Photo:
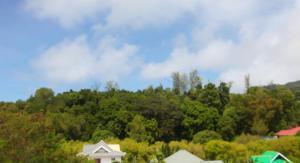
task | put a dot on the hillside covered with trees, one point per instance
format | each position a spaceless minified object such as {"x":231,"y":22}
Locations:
{"x":205,"y":119}
{"x":293,"y":86}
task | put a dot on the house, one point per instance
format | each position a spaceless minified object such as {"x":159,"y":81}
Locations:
{"x":289,"y":132}
{"x":102,"y":152}
{"x":183,"y":156}
{"x":270,"y":157}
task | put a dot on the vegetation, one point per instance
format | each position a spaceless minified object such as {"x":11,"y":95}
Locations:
{"x":206,"y":136}
{"x":150,"y":124}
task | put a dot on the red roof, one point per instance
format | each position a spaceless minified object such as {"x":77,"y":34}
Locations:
{"x":289,"y":132}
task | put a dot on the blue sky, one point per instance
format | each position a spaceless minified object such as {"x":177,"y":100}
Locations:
{"x":65,"y":44}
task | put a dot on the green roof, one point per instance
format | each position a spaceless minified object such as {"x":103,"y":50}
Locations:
{"x":270,"y":157}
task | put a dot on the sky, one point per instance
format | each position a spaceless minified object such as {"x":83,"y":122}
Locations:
{"x":67,"y":44}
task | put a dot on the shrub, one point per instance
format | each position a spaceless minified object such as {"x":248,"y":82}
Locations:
{"x":246,"y":138}
{"x":226,"y":151}
{"x":206,"y":136}
{"x":101,"y":135}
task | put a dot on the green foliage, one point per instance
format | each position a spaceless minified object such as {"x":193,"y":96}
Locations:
{"x":155,"y":153}
{"x":246,"y":138}
{"x":101,"y":135}
{"x":210,"y":96}
{"x":236,"y":152}
{"x":66,"y":124}
{"x":206,"y":136}
{"x":142,"y":129}
{"x":28,"y":138}
{"x":288,"y":146}
{"x":226,"y":151}
{"x":194,"y":148}
{"x":3,"y":157}
{"x":71,"y":146}
{"x":224,"y":92}
{"x":136,"y":152}
{"x":40,"y":100}
{"x":213,"y":150}
{"x":166,"y":113}
{"x":46,"y":122}
{"x":198,"y":117}
{"x":226,"y":127}
{"x":77,"y":115}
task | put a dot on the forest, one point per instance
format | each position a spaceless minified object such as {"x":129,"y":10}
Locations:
{"x":151,"y":124}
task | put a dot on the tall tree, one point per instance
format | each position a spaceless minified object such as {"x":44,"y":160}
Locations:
{"x":224,"y":93}
{"x":180,"y":83}
{"x":247,"y":82}
{"x":176,"y":82}
{"x":210,"y":96}
{"x":111,"y":86}
{"x":40,"y":100}
{"x":226,"y":127}
{"x":195,"y":80}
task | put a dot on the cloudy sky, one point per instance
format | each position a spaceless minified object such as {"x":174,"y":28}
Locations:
{"x":73,"y":44}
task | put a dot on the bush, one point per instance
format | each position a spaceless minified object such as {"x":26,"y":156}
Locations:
{"x":197,"y":149}
{"x":206,"y":136}
{"x":246,"y":138}
{"x":101,"y":135}
{"x":226,"y":151}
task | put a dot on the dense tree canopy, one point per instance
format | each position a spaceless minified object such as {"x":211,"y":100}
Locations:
{"x":188,"y":111}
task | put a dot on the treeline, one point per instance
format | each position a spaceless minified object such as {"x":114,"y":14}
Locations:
{"x":189,"y":111}
{"x":238,"y":151}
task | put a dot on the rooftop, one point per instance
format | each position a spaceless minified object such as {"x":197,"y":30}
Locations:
{"x":289,"y":132}
{"x":270,"y":157}
{"x":183,"y":156}
{"x":101,"y":149}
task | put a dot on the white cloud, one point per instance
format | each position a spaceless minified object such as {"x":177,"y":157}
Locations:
{"x":263,"y":38}
{"x":268,"y":48}
{"x":75,"y":61}
{"x":274,"y":55}
{"x":116,"y":13}
{"x":228,"y":10}
{"x":141,"y":13}
{"x":66,"y":12}
{"x":182,"y":60}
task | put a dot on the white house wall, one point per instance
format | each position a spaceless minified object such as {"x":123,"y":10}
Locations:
{"x":109,"y":160}
{"x":118,"y":159}
{"x":106,"y":160}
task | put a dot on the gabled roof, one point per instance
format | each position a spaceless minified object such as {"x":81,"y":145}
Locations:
{"x":183,"y":156}
{"x":270,"y":157}
{"x":115,"y":147}
{"x":101,"y":149}
{"x":289,"y":132}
